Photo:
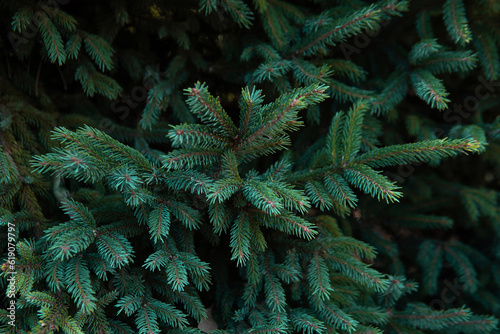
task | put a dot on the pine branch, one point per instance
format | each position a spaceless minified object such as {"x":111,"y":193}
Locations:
{"x":393,"y":93}
{"x":189,"y":180}
{"x":266,"y":51}
{"x":276,"y":25}
{"x":274,"y":292}
{"x":196,"y":135}
{"x":250,"y":102}
{"x":372,"y":315}
{"x":352,"y":71}
{"x":290,"y":224}
{"x":169,"y":314}
{"x":307,"y":74}
{"x":222,"y":190}
{"x":271,"y":70}
{"x":422,"y":221}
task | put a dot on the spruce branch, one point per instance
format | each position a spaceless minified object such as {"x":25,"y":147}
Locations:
{"x":99,"y":50}
{"x":51,"y":38}
{"x":448,"y":62}
{"x":430,"y":89}
{"x":366,"y":18}
{"x":372,"y":182}
{"x":318,"y":195}
{"x":424,"y":49}
{"x":487,"y":54}
{"x":209,"y":110}
{"x":422,"y":316}
{"x":338,"y":188}
{"x":423,"y":151}
{"x":240,"y":239}
{"x":319,"y":278}
{"x":73,"y":46}
{"x":351,"y":131}
{"x":456,"y":21}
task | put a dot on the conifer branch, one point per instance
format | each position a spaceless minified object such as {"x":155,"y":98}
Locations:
{"x":318,"y":195}
{"x":52,"y":38}
{"x":338,"y":188}
{"x":196,"y":135}
{"x":136,"y":213}
{"x":370,"y":181}
{"x":273,"y":290}
{"x":351,"y":131}
{"x":364,"y":18}
{"x":250,"y":102}
{"x":463,"y":267}
{"x":450,"y":62}
{"x":240,"y":239}
{"x":209,"y":110}
{"x":282,"y":114}
{"x":430,"y":89}
{"x":319,"y":278}
{"x":423,"y":25}
{"x":392,"y":94}
{"x":488,"y":55}
{"x":423,"y":151}
{"x":425,"y":318}
{"x":190,"y":157}
{"x":99,"y":50}
{"x":456,"y":21}
{"x":239,"y":11}
{"x":346,"y":93}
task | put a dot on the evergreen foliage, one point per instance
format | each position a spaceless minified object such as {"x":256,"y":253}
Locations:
{"x":238,"y":166}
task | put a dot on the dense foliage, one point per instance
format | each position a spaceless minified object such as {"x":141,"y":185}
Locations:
{"x":266,"y":166}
